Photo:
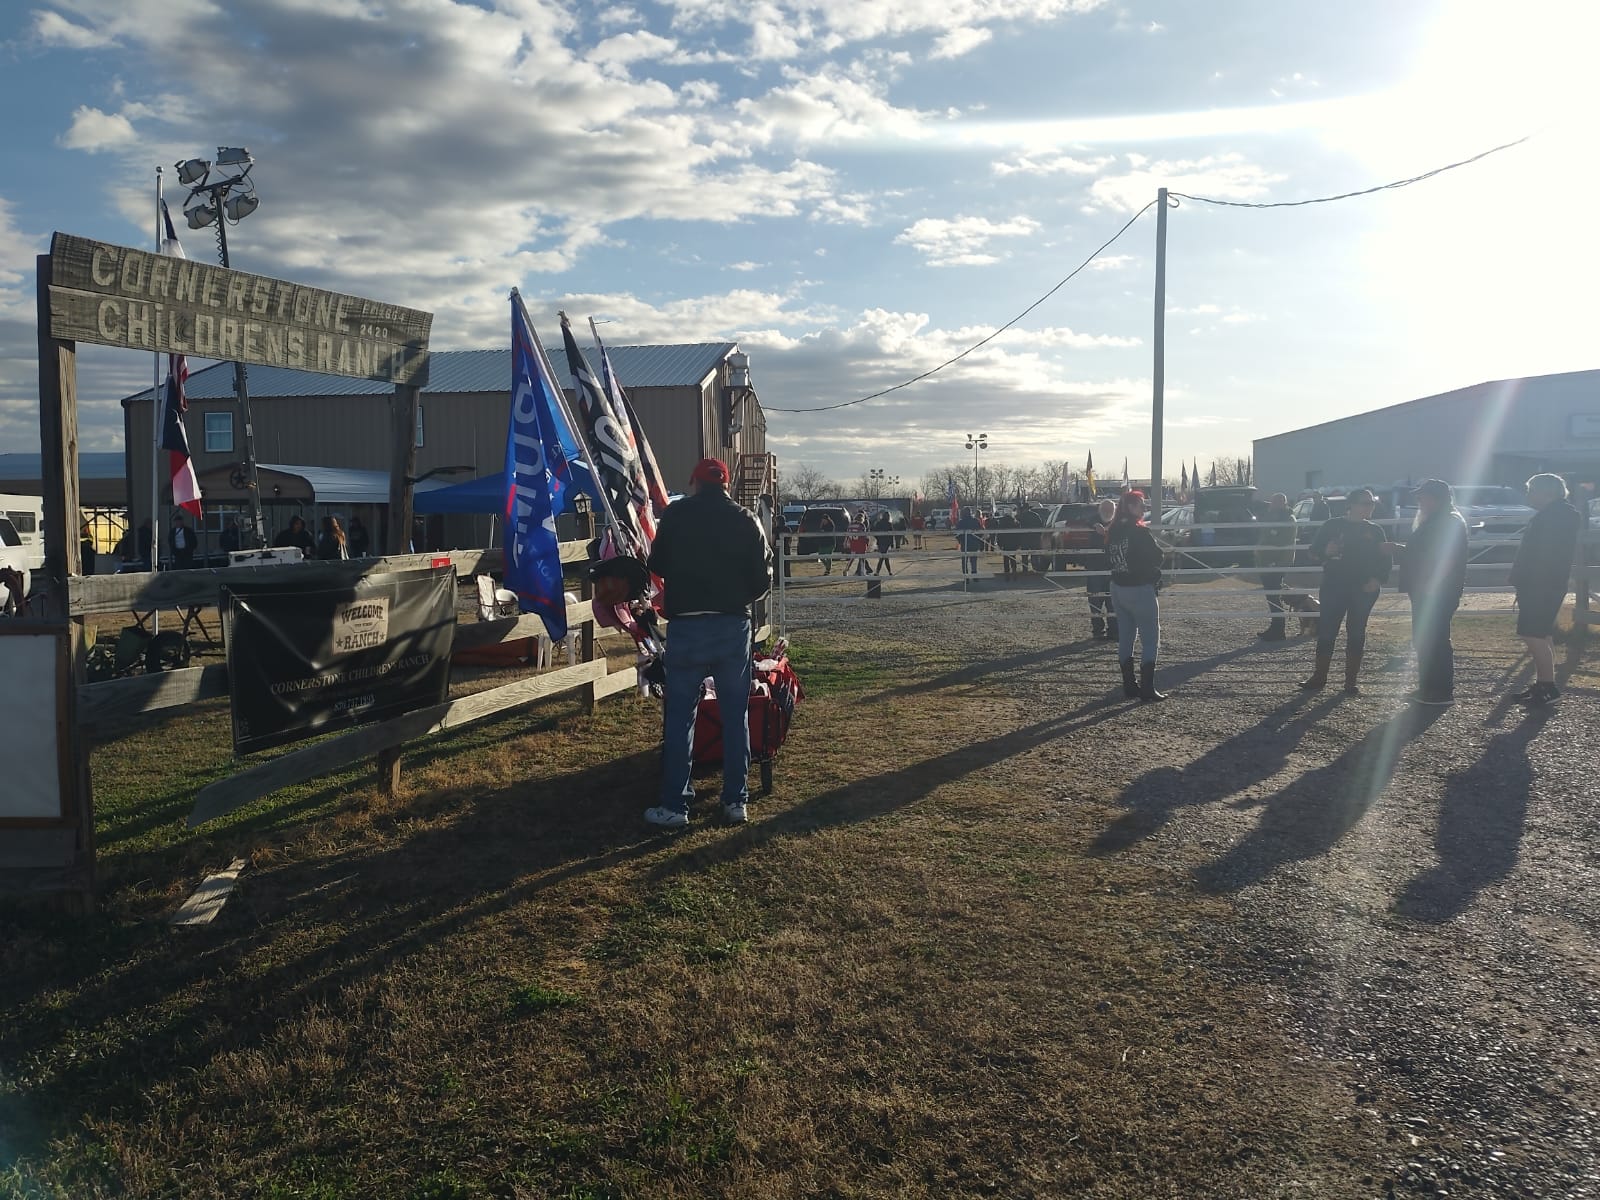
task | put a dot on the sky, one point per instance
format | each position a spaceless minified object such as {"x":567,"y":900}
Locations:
{"x":856,"y":191}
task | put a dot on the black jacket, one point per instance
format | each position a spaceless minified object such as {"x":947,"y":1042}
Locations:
{"x":1361,"y":558}
{"x":1134,"y":554}
{"x":711,"y":555}
{"x":1435,"y":558}
{"x":1544,"y":560}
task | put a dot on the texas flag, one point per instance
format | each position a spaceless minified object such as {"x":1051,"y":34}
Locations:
{"x":173,"y":403}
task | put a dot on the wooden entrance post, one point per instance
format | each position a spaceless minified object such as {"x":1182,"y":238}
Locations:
{"x":57,"y":855}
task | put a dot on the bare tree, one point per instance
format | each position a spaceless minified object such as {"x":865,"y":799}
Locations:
{"x":1230,"y":471}
{"x":802,"y":482}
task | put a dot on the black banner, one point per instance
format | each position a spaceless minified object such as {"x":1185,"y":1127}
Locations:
{"x":308,"y":661}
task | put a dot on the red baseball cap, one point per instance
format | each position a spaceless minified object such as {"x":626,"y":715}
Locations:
{"x":710,"y":470}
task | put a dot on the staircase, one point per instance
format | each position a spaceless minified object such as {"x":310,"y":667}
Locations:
{"x":755,"y":475}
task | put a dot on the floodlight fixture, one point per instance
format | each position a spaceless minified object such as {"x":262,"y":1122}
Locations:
{"x":233,"y":156}
{"x":241,"y":206}
{"x":200,"y":215}
{"x":192,"y":171}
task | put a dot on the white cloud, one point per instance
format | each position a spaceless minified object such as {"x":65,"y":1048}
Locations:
{"x":789,"y":28}
{"x":1224,"y":176}
{"x":746,"y":265}
{"x":1052,"y":163}
{"x":53,"y":29}
{"x":94,"y":131}
{"x":1113,"y":262}
{"x":962,"y":241}
{"x":634,"y":46}
{"x":959,"y":41}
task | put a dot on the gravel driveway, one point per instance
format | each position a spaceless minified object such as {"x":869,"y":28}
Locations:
{"x":1415,"y":889}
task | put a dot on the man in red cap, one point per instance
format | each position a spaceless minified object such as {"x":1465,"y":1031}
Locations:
{"x":712,"y":557}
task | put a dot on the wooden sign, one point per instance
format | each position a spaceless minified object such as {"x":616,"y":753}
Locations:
{"x":134,"y":299}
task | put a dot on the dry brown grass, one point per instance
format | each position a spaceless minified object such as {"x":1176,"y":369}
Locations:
{"x":905,"y":977}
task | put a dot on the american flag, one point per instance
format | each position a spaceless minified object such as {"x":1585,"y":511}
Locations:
{"x":173,"y":403}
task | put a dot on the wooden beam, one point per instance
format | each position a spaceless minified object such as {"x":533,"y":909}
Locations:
{"x":58,"y":462}
{"x":208,"y":899}
{"x":617,"y":681}
{"x":312,"y":762}
{"x":99,"y":703}
{"x":402,"y":465}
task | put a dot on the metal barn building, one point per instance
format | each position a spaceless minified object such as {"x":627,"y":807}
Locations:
{"x":322,"y":441}
{"x":1491,"y":433}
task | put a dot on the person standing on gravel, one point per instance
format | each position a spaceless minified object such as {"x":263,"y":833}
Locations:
{"x":1540,"y":574}
{"x":1102,"y":618}
{"x":1354,"y":570}
{"x":1275,"y":551}
{"x":712,"y":556}
{"x":1135,"y":558}
{"x":1433,"y":572}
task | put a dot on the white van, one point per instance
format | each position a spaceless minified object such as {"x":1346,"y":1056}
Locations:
{"x":26,"y":514}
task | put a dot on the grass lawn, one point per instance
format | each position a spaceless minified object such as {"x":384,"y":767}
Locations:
{"x":907,"y":976}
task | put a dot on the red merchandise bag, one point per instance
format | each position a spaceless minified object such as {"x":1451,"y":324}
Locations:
{"x":774,"y":694}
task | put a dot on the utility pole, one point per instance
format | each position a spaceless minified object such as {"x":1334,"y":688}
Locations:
{"x":241,"y":391}
{"x":1158,"y":372}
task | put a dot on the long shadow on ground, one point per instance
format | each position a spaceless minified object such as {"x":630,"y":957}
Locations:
{"x":1481,"y":822}
{"x":897,"y":788}
{"x":165,"y":1002}
{"x":1308,"y":817}
{"x":1249,"y":757}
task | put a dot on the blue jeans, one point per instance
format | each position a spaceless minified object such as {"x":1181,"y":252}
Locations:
{"x":1351,"y":605}
{"x":718,"y":646}
{"x":1139,"y":612}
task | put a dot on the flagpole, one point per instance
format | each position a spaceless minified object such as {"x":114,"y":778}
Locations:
{"x":155,"y":433}
{"x":577,"y":430}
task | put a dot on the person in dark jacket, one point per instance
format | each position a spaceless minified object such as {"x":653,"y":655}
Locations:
{"x":1275,"y":542}
{"x":182,"y":541}
{"x":712,"y":557}
{"x":1433,"y":572}
{"x":230,"y":539}
{"x":297,"y":535}
{"x":359,"y":539}
{"x":883,"y":528}
{"x":1102,"y":617}
{"x":970,"y":535}
{"x":332,"y":543}
{"x":1135,"y":558}
{"x":1355,"y":567}
{"x":1540,"y":574}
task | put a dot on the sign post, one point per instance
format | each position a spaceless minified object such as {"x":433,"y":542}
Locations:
{"x":118,"y":296}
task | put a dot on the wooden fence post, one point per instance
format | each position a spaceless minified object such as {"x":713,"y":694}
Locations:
{"x":587,"y":641}
{"x":402,"y":470}
{"x":63,"y":558}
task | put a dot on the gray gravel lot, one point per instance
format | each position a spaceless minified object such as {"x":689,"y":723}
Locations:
{"x":1415,"y":889}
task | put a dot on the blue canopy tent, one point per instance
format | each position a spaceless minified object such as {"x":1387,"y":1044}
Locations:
{"x":484,"y":495}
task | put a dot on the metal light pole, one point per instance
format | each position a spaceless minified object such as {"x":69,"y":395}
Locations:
{"x":197,"y":173}
{"x":975,"y":443}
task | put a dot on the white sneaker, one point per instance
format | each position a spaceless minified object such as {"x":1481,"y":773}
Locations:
{"x":735,"y":814}
{"x":666,"y":818}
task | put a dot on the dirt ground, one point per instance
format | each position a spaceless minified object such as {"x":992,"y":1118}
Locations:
{"x":997,"y":932}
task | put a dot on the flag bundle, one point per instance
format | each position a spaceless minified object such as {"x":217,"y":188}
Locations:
{"x":649,"y":485}
{"x":173,"y":403}
{"x":955,"y":503}
{"x":615,"y":460}
{"x":1183,"y":480}
{"x":1126,"y":483}
{"x":1088,"y":474}
{"x":539,"y":480}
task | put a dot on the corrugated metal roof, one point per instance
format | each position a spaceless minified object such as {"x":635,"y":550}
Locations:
{"x":466,"y":371}
{"x":94,"y":465}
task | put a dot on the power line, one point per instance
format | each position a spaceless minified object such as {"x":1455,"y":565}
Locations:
{"x":1382,"y":187}
{"x":978,"y":345}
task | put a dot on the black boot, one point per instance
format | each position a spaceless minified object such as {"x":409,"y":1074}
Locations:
{"x":1352,"y":674}
{"x":1319,"y":677}
{"x":1130,"y":688}
{"x":1147,"y":684}
{"x":1111,"y":631}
